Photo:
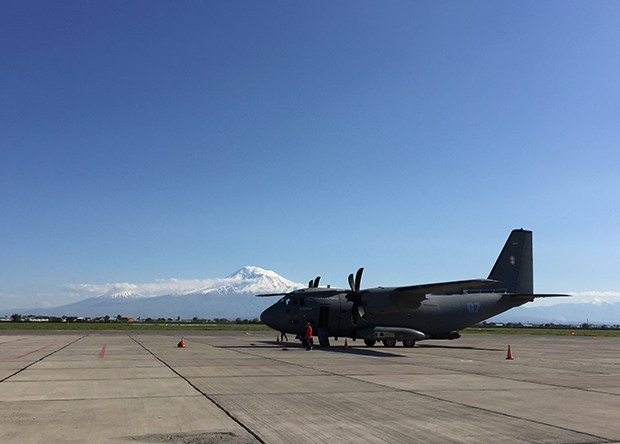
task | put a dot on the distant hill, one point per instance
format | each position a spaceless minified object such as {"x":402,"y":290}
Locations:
{"x":230,"y":297}
{"x":599,"y":313}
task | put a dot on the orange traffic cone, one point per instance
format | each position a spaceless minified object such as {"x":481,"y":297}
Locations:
{"x":182,"y":343}
{"x":277,"y":339}
{"x":346,"y":346}
{"x":509,"y":356}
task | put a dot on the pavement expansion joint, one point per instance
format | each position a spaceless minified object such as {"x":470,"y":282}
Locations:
{"x":219,"y":389}
{"x":40,"y":359}
{"x":218,"y":405}
{"x":194,"y":438}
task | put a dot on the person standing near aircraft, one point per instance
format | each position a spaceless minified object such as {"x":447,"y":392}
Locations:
{"x":308,"y":336}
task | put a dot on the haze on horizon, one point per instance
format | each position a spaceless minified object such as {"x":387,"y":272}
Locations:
{"x":155,"y":143}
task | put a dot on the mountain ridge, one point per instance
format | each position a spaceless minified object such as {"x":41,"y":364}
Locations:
{"x":600,"y":313}
{"x":230,"y":297}
{"x":235,"y":296}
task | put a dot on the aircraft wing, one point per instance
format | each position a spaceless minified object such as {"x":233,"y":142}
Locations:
{"x":272,"y":294}
{"x":443,"y":287}
{"x":395,"y":299}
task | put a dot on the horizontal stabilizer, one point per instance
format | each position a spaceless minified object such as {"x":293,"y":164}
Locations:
{"x":532,"y":296}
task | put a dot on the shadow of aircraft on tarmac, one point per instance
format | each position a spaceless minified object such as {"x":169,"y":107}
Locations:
{"x":359,"y":351}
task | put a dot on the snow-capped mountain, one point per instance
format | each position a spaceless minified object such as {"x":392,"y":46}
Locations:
{"x":235,"y":297}
{"x":231,"y":297}
{"x":127,"y":294}
{"x":252,"y":280}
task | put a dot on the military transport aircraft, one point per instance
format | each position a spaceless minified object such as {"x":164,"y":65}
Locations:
{"x":412,"y":313}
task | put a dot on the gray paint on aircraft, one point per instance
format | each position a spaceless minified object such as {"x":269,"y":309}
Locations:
{"x":411,"y":313}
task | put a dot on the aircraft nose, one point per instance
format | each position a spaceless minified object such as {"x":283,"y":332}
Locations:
{"x":269,"y":318}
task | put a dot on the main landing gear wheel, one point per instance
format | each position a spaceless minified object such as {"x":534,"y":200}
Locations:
{"x":408,"y":343}
{"x":389,"y":342}
{"x":369,"y":342}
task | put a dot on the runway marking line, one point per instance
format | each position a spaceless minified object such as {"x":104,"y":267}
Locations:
{"x":102,"y":351}
{"x":34,"y":351}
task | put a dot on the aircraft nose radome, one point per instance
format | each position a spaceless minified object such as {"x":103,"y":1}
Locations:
{"x":268,"y":318}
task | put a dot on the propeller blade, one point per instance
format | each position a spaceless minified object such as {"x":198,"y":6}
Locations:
{"x":362,"y":313}
{"x":354,"y":296}
{"x":357,"y":311}
{"x":358,"y":279}
{"x":314,"y":283}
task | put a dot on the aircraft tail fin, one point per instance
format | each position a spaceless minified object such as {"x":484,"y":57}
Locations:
{"x":514,"y":266}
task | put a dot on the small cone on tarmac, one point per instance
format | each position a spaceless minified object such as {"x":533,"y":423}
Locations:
{"x":509,"y":354}
{"x":346,"y":346}
{"x":182,"y":343}
{"x":277,"y":339}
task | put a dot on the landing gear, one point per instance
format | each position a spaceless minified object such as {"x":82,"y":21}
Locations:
{"x":369,"y":342}
{"x":408,"y":343}
{"x":390,"y":342}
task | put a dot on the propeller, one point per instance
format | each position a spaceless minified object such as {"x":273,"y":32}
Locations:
{"x":312,"y":284}
{"x":315,"y":283}
{"x":356,"y":297}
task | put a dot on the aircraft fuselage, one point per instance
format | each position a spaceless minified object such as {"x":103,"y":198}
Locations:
{"x":410,"y":313}
{"x":436,"y":316}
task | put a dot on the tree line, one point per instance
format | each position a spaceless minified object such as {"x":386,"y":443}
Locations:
{"x":195,"y":320}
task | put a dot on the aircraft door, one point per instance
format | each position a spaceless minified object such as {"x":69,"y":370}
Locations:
{"x":329,"y":320}
{"x":323,"y":325}
{"x":323,"y":317}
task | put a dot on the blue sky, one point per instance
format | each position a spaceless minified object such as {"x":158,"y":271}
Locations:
{"x":154,"y":140}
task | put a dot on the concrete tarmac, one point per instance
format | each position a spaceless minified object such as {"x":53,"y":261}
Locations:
{"x":242,"y":388}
